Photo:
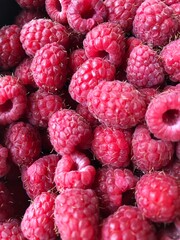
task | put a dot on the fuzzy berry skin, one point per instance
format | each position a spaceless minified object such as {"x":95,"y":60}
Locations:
{"x":51,"y":72}
{"x":11,"y":51}
{"x":13,"y":100}
{"x":127,"y":223}
{"x":158,"y":197}
{"x":122,"y":11}
{"x":110,"y":146}
{"x":76,"y":58}
{"x":11,"y":230}
{"x":144,"y":67}
{"x":109,"y":186}
{"x":150,"y":154}
{"x":69,"y":131}
{"x":4,"y":165}
{"x":171,"y":60}
{"x":38,"y":222}
{"x":23,"y":143}
{"x":80,"y":208}
{"x":31,"y":4}
{"x":107,"y":41}
{"x":41,"y":105}
{"x":39,"y":176}
{"x":38,"y":32}
{"x":163,"y":116}
{"x":89,"y":74}
{"x":154,"y":23}
{"x":116,"y":104}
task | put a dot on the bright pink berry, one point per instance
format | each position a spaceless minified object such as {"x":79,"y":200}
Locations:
{"x":76,"y":58}
{"x":176,"y":10}
{"x":157,"y":196}
{"x":4,"y":164}
{"x":107,"y":41}
{"x":11,"y":230}
{"x":31,"y":4}
{"x":80,"y":208}
{"x":170,"y":2}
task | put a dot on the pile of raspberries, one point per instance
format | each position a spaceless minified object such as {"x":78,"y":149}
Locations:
{"x":90,"y":120}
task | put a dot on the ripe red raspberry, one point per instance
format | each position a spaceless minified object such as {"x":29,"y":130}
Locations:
{"x":150,"y":154}
{"x":144,"y":67}
{"x":4,"y":164}
{"x":107,"y":41}
{"x":13,"y":101}
{"x":158,"y":197}
{"x":76,"y":58}
{"x":89,"y":74}
{"x":170,"y":2}
{"x":171,"y":60}
{"x":154,"y":23}
{"x":148,"y":94}
{"x":80,"y":208}
{"x":116,"y":104}
{"x":51,"y":72}
{"x":163,"y":116}
{"x":41,"y":105}
{"x":39,"y":176}
{"x":127,"y":223}
{"x":11,"y":51}
{"x":109,"y":186}
{"x":69,"y":131}
{"x":11,"y":230}
{"x":110,"y":146}
{"x":31,"y":4}
{"x":178,"y":150}
{"x":38,"y":32}
{"x":38,"y":221}
{"x":74,"y":171}
{"x":122,"y":11}
{"x":176,"y":10}
{"x":83,"y":15}
{"x":23,"y":143}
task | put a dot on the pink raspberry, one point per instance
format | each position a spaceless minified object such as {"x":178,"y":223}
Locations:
{"x":69,"y":131}
{"x":11,"y":230}
{"x":170,"y":2}
{"x":127,"y":223}
{"x":107,"y":41}
{"x":154,"y":23}
{"x":41,"y":105}
{"x":38,"y":32}
{"x":74,"y":171}
{"x":176,"y":10}
{"x":39,"y":176}
{"x":150,"y":154}
{"x":144,"y":67}
{"x":80,"y":208}
{"x":4,"y":164}
{"x":31,"y":4}
{"x":163,"y":116}
{"x":23,"y":143}
{"x":148,"y":94}
{"x":178,"y":150}
{"x":83,"y":15}
{"x":51,"y":72}
{"x":13,"y":101}
{"x":122,"y":11}
{"x":89,"y":74}
{"x":38,"y":221}
{"x":76,"y":58}
{"x":110,"y":146}
{"x":171,"y":60}
{"x":157,"y":196}
{"x":11,"y":51}
{"x":116,"y":104}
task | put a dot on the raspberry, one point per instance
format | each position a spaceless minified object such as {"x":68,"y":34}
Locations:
{"x":122,"y":11}
{"x":170,"y":2}
{"x":38,"y":222}
{"x":39,"y":177}
{"x":38,"y":32}
{"x":11,"y":51}
{"x":83,"y":15}
{"x":31,"y":4}
{"x":51,"y":72}
{"x":80,"y":208}
{"x":110,"y":146}
{"x":23,"y":143}
{"x":171,"y":60}
{"x":107,"y":41}
{"x":154,"y":23}
{"x":13,"y":100}
{"x":74,"y":171}
{"x":4,"y":165}
{"x":178,"y":150}
{"x":163,"y":116}
{"x":76,"y":59}
{"x":157,"y":196}
{"x":150,"y":153}
{"x":11,"y":230}
{"x":69,"y":131}
{"x":144,"y":67}
{"x":41,"y":105}
{"x":116,"y":104}
{"x":127,"y":223}
{"x":176,"y":10}
{"x":89,"y":74}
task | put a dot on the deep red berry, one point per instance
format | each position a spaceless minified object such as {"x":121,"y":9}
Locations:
{"x":31,"y":4}
{"x":11,"y":230}
{"x":4,"y":164}
{"x":76,"y":58}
